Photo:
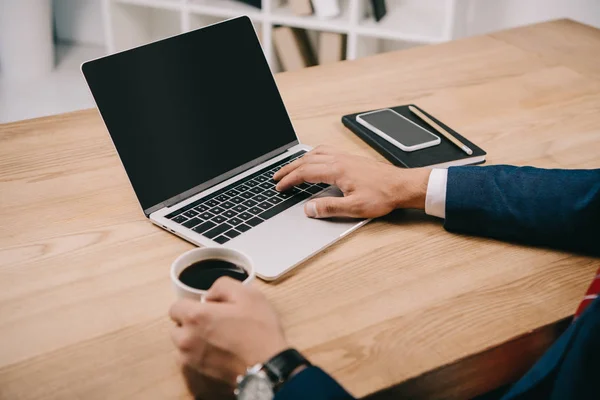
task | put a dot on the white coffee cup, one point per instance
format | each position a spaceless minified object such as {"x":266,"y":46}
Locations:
{"x":207,"y":253}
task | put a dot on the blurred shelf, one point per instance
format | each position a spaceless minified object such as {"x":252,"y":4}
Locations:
{"x":285,"y":16}
{"x":224,"y":8}
{"x":409,"y":23}
{"x":164,"y":4}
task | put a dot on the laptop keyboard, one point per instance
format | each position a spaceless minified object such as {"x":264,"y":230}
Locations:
{"x":236,"y":209}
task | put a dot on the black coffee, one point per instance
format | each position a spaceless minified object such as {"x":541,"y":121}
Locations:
{"x":202,"y":274}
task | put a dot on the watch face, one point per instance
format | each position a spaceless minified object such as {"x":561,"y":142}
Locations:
{"x":255,"y":387}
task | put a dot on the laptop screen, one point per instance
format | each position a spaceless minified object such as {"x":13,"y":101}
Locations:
{"x":184,"y":110}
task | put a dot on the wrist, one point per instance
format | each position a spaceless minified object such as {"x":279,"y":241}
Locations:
{"x":411,"y":188}
{"x":297,"y":371}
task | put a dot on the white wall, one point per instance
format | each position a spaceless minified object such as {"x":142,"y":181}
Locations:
{"x":492,"y":15}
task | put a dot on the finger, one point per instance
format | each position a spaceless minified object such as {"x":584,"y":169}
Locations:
{"x":187,"y":312}
{"x":327,"y":207}
{"x":185,"y":341}
{"x":182,"y":310}
{"x":307,"y":159}
{"x":325,"y":149}
{"x":313,"y":173}
{"x":225,"y":290}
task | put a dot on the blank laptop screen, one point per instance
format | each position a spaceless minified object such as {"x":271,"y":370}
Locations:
{"x":185,"y":110}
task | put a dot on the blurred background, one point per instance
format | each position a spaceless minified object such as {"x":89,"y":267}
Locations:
{"x":43,"y":42}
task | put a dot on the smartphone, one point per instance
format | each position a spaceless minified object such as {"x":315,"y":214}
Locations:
{"x":398,"y":130}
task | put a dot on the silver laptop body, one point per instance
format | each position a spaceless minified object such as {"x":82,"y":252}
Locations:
{"x":148,"y":142}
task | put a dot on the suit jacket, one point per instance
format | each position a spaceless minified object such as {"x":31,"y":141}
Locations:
{"x":553,"y":208}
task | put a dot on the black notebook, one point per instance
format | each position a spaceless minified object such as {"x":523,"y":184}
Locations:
{"x":443,"y":155}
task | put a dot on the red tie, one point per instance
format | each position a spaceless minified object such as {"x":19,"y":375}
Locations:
{"x":590,"y":296}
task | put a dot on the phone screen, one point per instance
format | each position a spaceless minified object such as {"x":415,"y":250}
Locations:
{"x":398,"y":127}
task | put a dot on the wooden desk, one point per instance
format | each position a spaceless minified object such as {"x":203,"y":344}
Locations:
{"x":401,"y":304}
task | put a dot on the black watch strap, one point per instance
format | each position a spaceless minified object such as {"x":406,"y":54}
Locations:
{"x":280,"y":367}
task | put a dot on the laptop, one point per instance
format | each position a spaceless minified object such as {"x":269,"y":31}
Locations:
{"x":200,"y":127}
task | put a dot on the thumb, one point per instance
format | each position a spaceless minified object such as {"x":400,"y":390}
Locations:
{"x":225,"y":290}
{"x":327,"y":207}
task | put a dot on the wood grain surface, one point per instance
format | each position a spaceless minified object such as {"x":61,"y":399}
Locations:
{"x":399,"y":308}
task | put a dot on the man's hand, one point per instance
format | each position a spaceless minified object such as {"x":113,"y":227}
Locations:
{"x":234,"y":329}
{"x":371,"y":189}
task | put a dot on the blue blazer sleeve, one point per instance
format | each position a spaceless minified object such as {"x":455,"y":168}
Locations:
{"x":312,"y":383}
{"x":549,"y":207}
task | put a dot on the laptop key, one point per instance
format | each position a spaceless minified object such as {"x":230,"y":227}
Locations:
{"x":227,"y":204}
{"x":255,"y":210}
{"x":269,"y":193}
{"x":243,"y":228}
{"x":206,"y":215}
{"x":288,"y":193}
{"x":242,"y":188}
{"x":303,"y":186}
{"x":190,"y":213}
{"x":265,"y":205}
{"x":237,"y":200}
{"x":204,"y":227}
{"x":261,"y":178}
{"x":275,"y":200}
{"x":184,"y":209}
{"x":221,"y":239}
{"x":217,"y":210}
{"x":201,"y":208}
{"x":250,"y":203}
{"x":179,"y":219}
{"x":314,"y":189}
{"x":245,"y":215}
{"x":254,"y":221}
{"x":211,"y":203}
{"x":235,"y":221}
{"x":247,"y":195}
{"x":219,"y":219}
{"x":257,"y":190}
{"x":251,"y":184}
{"x":229,"y":214}
{"x":232,"y":233}
{"x":260,"y":198}
{"x":239,"y":208}
{"x":222,"y":198}
{"x":266,"y":185}
{"x":232,"y":193}
{"x":190,"y":223}
{"x":217,"y":231}
{"x":323,"y":185}
{"x":284,"y":205}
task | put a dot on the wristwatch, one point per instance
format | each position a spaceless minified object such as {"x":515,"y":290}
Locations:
{"x":262,"y":381}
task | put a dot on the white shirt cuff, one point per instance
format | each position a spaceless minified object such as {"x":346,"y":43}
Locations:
{"x":435,"y":201}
